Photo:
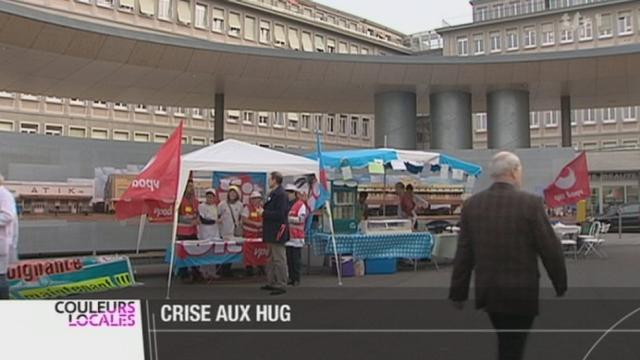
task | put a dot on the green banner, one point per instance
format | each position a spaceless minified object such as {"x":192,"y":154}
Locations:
{"x":54,"y":278}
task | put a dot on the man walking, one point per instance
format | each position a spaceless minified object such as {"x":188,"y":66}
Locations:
{"x":8,"y":236}
{"x":503,"y":232}
{"x":275,"y":232}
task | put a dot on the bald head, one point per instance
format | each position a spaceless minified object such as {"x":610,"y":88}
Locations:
{"x":506,"y":167}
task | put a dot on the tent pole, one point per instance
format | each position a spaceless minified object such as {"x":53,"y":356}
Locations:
{"x":173,"y":247}
{"x":143,"y":220}
{"x":335,"y":247}
{"x":384,"y":192}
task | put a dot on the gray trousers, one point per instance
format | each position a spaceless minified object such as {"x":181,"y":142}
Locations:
{"x":277,"y":266}
{"x":4,"y":287}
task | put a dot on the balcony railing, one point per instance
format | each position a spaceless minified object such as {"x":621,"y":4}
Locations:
{"x":494,"y":11}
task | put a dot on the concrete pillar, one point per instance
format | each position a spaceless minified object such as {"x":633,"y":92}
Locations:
{"x":451,"y":126}
{"x":396,"y":119}
{"x":508,"y":119}
{"x":565,"y":121}
{"x":218,"y":125}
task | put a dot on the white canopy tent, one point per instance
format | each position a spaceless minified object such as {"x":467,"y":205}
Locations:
{"x":235,"y":156}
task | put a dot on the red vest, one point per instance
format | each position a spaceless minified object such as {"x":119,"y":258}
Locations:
{"x":296,"y":231}
{"x":187,"y":208}
{"x":252,"y":225}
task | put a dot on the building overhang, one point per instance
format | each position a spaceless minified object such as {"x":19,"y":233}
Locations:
{"x":54,"y":53}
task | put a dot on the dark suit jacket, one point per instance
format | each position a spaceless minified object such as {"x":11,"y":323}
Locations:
{"x":276,"y":209}
{"x":503,"y":231}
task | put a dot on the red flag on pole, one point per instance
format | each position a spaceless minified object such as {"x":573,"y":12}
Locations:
{"x":153,"y":191}
{"x":571,"y":185}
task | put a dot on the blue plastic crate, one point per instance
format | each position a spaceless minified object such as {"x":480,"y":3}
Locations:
{"x":380,"y":266}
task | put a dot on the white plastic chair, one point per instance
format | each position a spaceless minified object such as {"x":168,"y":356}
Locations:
{"x":591,"y":243}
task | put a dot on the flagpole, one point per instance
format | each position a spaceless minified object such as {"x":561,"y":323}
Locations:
{"x":143,"y":220}
{"x":333,"y":241}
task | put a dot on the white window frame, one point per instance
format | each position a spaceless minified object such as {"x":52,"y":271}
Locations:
{"x":11,"y":123}
{"x":7,"y":95}
{"x":53,"y":100}
{"x":196,"y":113}
{"x":608,"y":112}
{"x":250,"y":30}
{"x":29,"y":97}
{"x":263,"y":116}
{"x":590,"y":145}
{"x":633,"y":142}
{"x":629,"y":114}
{"x":141,"y":108}
{"x":305,"y":122}
{"x":478,"y":44}
{"x":343,"y":125}
{"x":115,"y":131}
{"x":279,"y":120}
{"x":481,"y":122}
{"x":604,"y":32}
{"x":567,"y":35}
{"x":462,"y":46}
{"x":77,"y":102}
{"x":29,"y":131}
{"x":164,"y":9}
{"x":101,"y":130}
{"x":317,"y":122}
{"x":235,"y":31}
{"x":548,"y":36}
{"x":534,"y":120}
{"x":198,"y":140}
{"x":142,"y":133}
{"x":200,"y":17}
{"x":331,"y":124}
{"x":73,"y":128}
{"x":550,"y":119}
{"x":160,"y":138}
{"x":264,"y":35}
{"x":233,"y":116}
{"x":589,"y":117}
{"x":628,"y":23}
{"x":529,"y":37}
{"x":248,"y":114}
{"x":609,"y":144}
{"x":585,"y":29}
{"x":218,"y":23}
{"x":179,"y":111}
{"x":120,"y":106}
{"x":496,"y":46}
{"x":353,"y":130}
{"x":99,"y":104}
{"x":161,"y":110}
{"x":105,"y":3}
{"x":513,"y":43}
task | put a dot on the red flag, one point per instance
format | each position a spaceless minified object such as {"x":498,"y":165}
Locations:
{"x":153,"y":191}
{"x":571,"y":185}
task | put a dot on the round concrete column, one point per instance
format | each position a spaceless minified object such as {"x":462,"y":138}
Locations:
{"x":508,"y":119}
{"x":396,"y":119}
{"x":450,"y":118}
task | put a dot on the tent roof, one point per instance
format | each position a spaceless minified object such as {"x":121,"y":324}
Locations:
{"x":362,"y":157}
{"x":238,"y":156}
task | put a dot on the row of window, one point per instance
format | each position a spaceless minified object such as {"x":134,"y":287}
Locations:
{"x":497,"y":10}
{"x":353,"y":126}
{"x":95,"y":133}
{"x":551,"y":119}
{"x":582,"y":28}
{"x":249,"y":27}
{"x":331,"y":19}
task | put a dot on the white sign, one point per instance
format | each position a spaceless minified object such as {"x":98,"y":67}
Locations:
{"x":72,"y":329}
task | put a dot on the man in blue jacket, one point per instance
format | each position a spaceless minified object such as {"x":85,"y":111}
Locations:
{"x":275,"y":233}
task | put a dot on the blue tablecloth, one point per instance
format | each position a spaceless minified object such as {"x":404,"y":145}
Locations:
{"x":408,"y":246}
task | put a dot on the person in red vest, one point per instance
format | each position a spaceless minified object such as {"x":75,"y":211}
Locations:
{"x":297,"y":218}
{"x":188,"y":227}
{"x":252,"y":224}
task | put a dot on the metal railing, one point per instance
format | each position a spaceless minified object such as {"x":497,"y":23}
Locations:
{"x":493,"y":11}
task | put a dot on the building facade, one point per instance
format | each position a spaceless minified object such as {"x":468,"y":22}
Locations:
{"x":534,"y":26}
{"x":287,"y":24}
